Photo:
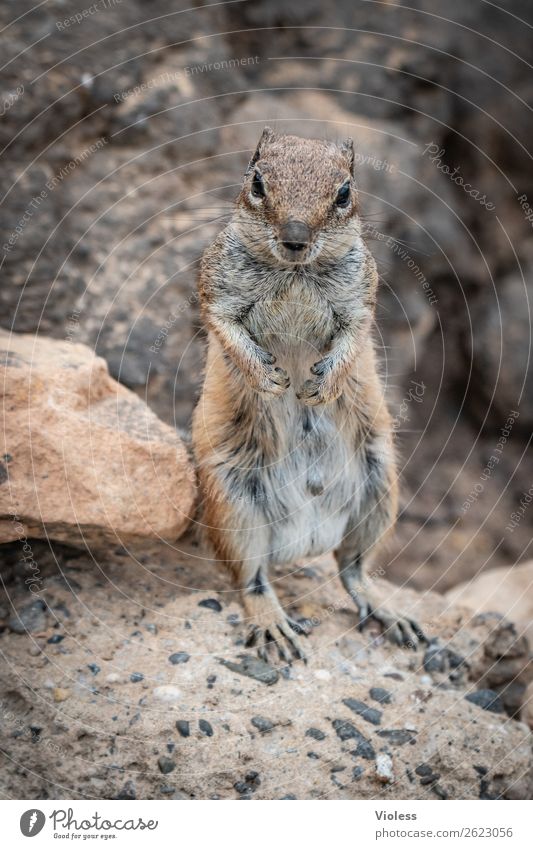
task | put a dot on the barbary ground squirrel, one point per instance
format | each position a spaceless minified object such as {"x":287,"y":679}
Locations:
{"x":291,"y":435}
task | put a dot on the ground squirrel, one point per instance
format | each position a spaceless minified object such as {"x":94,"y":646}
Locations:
{"x":291,"y":435}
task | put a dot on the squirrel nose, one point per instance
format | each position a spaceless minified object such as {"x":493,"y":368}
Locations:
{"x":295,"y":235}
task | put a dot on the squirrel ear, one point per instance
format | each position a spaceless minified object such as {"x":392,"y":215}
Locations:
{"x":266,"y":135}
{"x":347,"y":149}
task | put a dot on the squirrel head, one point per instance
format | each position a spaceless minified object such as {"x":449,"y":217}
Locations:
{"x":298,"y":202}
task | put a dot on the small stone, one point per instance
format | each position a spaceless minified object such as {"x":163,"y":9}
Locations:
{"x":397,"y":736}
{"x":313,"y":756}
{"x":166,"y":765}
{"x":95,"y":669}
{"x":439,"y":791}
{"x":179,"y":657}
{"x":183,"y":727}
{"x":210,"y":681}
{"x":370,"y":714}
{"x":357,"y":772}
{"x":424,"y":769}
{"x":135,"y":677}
{"x":346,"y":731}
{"x":435,"y":659}
{"x":35,"y":651}
{"x":56,"y":638}
{"x":381,"y":695}
{"x":429,"y":779}
{"x":127,"y":792}
{"x":487,"y":700}
{"x":384,"y":768}
{"x":205,"y":728}
{"x":252,"y":777}
{"x":253,"y":667}
{"x":29,"y":619}
{"x":112,"y":678}
{"x":262,"y":724}
{"x":211,"y":604}
{"x":315,"y":733}
{"x":167,"y":693}
{"x":61,"y":694}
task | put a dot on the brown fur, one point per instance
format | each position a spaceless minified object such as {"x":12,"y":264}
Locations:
{"x":291,"y":435}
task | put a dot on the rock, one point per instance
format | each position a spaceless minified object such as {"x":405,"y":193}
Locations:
{"x":372,"y":715}
{"x":487,"y":700}
{"x":95,"y":669}
{"x":253,"y":667}
{"x":315,"y":733}
{"x":55,"y":639}
{"x":262,"y":724}
{"x":211,"y":604}
{"x":526,"y":713}
{"x":179,"y":657}
{"x":506,"y":590}
{"x":397,"y":736}
{"x":501,"y":361}
{"x":30,"y":618}
{"x":381,"y":695}
{"x":346,"y":731}
{"x":167,"y":693}
{"x":205,"y":728}
{"x":136,"y":677}
{"x":61,"y":694}
{"x":384,"y":770}
{"x":102,"y":466}
{"x":127,"y":792}
{"x":166,"y":765}
{"x":454,"y":735}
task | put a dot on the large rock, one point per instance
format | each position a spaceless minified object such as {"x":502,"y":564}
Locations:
{"x":507,"y":590}
{"x":84,"y":459}
{"x":165,"y":706}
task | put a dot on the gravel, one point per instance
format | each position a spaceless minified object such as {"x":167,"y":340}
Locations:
{"x":370,"y":714}
{"x":179,"y":657}
{"x":487,"y":700}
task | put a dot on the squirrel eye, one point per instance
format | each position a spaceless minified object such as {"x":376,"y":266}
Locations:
{"x":343,"y":196}
{"x":258,"y":186}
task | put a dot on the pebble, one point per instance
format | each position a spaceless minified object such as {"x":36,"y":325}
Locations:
{"x":211,"y":604}
{"x":397,"y":736}
{"x":35,"y":651}
{"x":179,"y":657}
{"x":166,"y":765}
{"x":112,"y":678}
{"x":167,"y":693}
{"x":346,"y":731}
{"x":183,"y":728}
{"x":95,"y":669}
{"x":262,"y":724}
{"x":315,"y":733}
{"x":61,"y":694}
{"x":127,"y":792}
{"x":487,"y":700}
{"x":384,"y":768}
{"x":357,"y":772}
{"x":424,"y":769}
{"x":322,"y":674}
{"x":381,"y":695}
{"x":56,"y":638}
{"x":370,"y":714}
{"x":210,"y":681}
{"x":205,"y":727}
{"x":253,"y":667}
{"x":29,"y":618}
{"x":135,"y":677}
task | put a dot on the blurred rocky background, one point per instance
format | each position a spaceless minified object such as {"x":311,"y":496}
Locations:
{"x":126,"y":127}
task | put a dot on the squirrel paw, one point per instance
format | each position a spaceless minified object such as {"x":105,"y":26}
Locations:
{"x":279,"y":636}
{"x":397,"y":627}
{"x":318,"y":391}
{"x":274,"y":380}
